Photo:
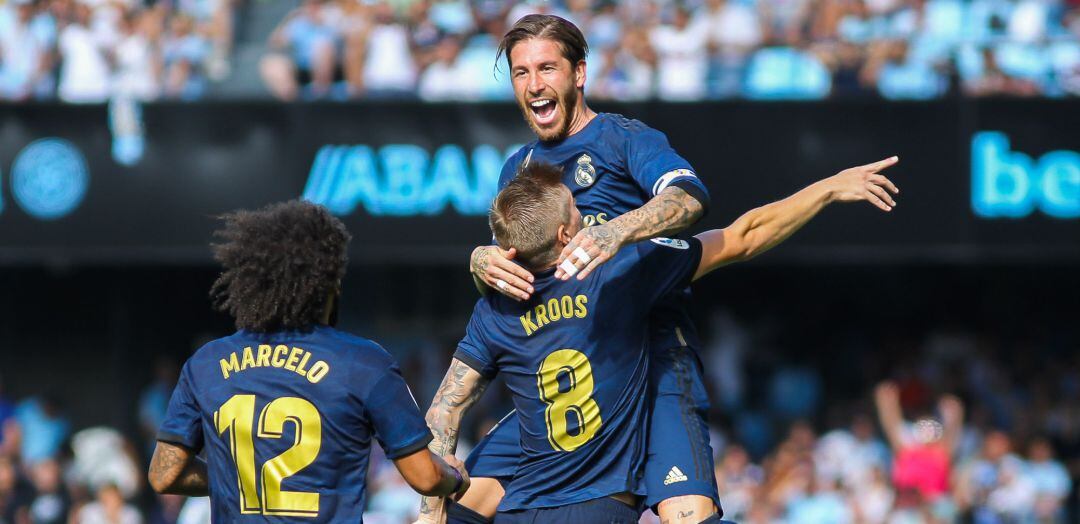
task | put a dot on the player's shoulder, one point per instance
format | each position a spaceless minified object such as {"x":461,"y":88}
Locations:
{"x":626,"y":126}
{"x":357,"y":345}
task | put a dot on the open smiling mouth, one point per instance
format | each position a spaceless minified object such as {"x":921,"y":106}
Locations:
{"x":543,"y":110}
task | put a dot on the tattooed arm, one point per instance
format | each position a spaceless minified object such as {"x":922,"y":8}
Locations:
{"x":176,"y":470}
{"x":460,"y":389}
{"x":672,"y":211}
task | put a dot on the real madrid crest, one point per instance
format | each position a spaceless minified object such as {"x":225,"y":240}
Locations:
{"x":585,"y":174}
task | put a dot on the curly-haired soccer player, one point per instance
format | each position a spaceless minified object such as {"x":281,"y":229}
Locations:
{"x":286,"y":407}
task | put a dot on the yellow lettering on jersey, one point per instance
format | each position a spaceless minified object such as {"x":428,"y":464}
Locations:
{"x":294,"y":357}
{"x":580,"y":301}
{"x":318,"y":371}
{"x":230,"y":366}
{"x":528,"y":324}
{"x":556,"y":309}
{"x":263,"y":360}
{"x":566,"y":306}
{"x":300,"y":367}
{"x":279,"y":356}
{"x":249,"y":359}
{"x":541,"y":315}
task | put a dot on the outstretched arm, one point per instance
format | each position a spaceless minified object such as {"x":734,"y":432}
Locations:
{"x":887,"y":400}
{"x":762,"y":228}
{"x":670,"y":212}
{"x":460,"y":389}
{"x":176,"y":470}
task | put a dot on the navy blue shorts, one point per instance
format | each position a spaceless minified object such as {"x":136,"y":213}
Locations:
{"x":604,"y":510}
{"x":679,"y":460}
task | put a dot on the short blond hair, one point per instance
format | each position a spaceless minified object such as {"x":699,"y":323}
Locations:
{"x":527,"y":213}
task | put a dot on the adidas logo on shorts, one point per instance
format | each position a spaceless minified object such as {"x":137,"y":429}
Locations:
{"x":675,"y":475}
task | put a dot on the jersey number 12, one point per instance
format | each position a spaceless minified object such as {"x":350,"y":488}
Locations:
{"x":237,"y":416}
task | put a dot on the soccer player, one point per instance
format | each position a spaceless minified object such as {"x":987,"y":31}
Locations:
{"x":630,"y":185}
{"x":286,"y":407}
{"x":575,"y":354}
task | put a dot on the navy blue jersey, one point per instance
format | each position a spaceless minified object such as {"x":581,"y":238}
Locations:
{"x":287,"y":420}
{"x":575,"y":359}
{"x":612,"y":166}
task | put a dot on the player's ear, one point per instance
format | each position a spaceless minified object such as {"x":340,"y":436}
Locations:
{"x":564,"y":235}
{"x":579,"y":74}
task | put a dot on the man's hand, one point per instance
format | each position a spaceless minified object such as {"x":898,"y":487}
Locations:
{"x":864,"y":183}
{"x":493,"y":266}
{"x":453,"y":462}
{"x":597,"y":243}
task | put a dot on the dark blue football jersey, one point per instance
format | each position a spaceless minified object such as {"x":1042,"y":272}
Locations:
{"x":287,"y":420}
{"x":614,"y":165}
{"x":575,"y":359}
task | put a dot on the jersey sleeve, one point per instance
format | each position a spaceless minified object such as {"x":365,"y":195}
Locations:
{"x":474,"y":349}
{"x":393,"y":411}
{"x":655,"y":166}
{"x":666,"y":264}
{"x":183,"y":418}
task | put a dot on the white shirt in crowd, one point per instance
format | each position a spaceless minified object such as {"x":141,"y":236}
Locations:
{"x":389,"y":63}
{"x":94,"y":513}
{"x":84,"y":75}
{"x":734,"y":24}
{"x":135,"y":69}
{"x":682,"y":60}
{"x":20,"y":57}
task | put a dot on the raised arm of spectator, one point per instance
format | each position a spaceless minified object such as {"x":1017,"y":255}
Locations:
{"x":762,"y":228}
{"x":460,"y":389}
{"x":952,"y":418}
{"x":887,"y":400}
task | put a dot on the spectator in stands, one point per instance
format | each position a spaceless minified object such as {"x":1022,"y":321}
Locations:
{"x":735,"y":29}
{"x":23,"y":54}
{"x":137,"y":60}
{"x":389,"y":69}
{"x":1050,"y":479}
{"x":682,"y":56}
{"x":9,"y":429}
{"x":626,"y":72}
{"x":108,"y":507}
{"x":84,"y":71}
{"x":923,"y":452}
{"x":183,"y":53}
{"x":13,"y":499}
{"x":51,"y":502}
{"x":44,"y":429}
{"x":445,"y":79}
{"x":154,"y":401}
{"x":304,"y":54}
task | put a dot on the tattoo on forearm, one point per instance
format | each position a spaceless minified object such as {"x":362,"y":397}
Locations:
{"x":672,"y":211}
{"x":460,"y":389}
{"x":180,"y":473}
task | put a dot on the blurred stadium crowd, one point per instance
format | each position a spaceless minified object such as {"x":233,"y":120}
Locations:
{"x":794,"y":441}
{"x":641,"y":49}
{"x":91,"y":50}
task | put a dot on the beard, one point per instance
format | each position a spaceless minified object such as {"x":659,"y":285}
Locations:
{"x":565,"y":102}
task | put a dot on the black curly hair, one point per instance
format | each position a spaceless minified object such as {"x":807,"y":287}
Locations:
{"x":280,"y":264}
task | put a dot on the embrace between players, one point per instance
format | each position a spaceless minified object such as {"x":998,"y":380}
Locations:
{"x":588,"y":326}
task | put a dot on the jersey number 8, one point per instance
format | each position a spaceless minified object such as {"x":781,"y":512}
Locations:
{"x":572,"y":402}
{"x":237,"y":417}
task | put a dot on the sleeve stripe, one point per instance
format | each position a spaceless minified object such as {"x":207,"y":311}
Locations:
{"x":474,"y":363}
{"x":663,"y":182}
{"x":173,"y":438}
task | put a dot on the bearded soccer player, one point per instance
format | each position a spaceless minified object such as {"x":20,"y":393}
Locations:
{"x":629,"y":185}
{"x":287,"y":406}
{"x":575,"y":355}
